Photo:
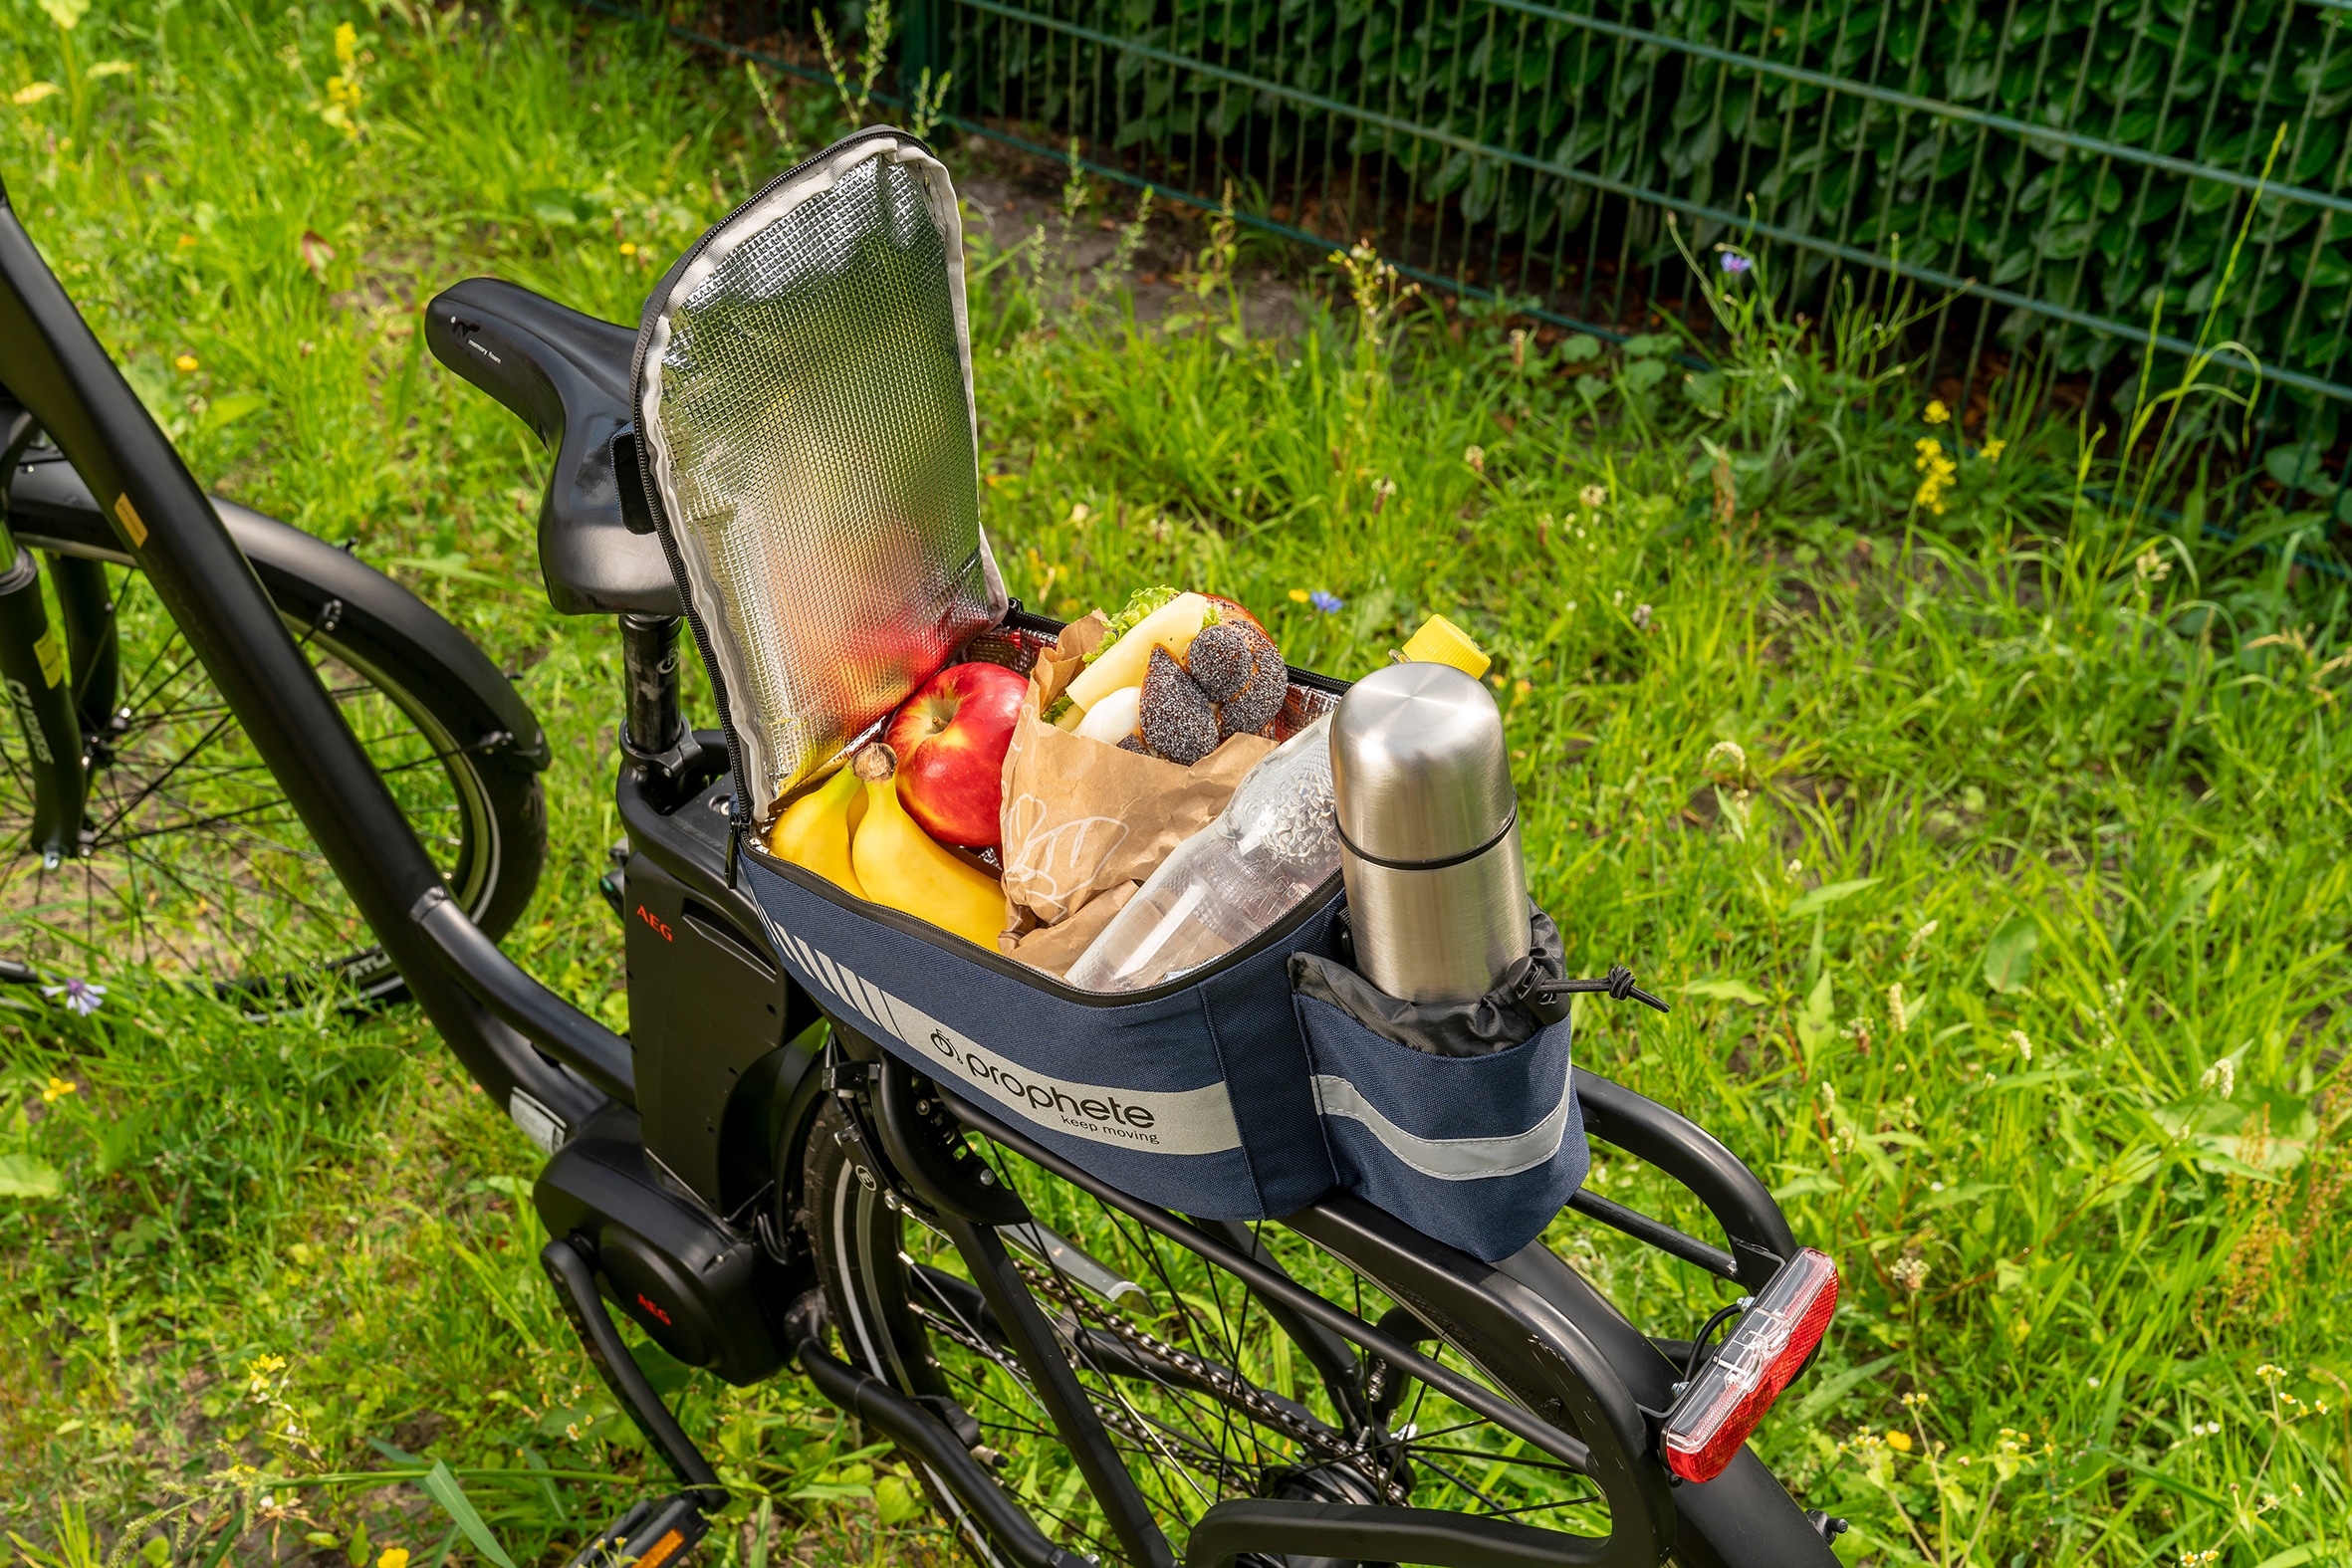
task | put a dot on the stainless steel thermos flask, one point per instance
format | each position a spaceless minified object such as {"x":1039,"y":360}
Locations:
{"x":1429,"y":833}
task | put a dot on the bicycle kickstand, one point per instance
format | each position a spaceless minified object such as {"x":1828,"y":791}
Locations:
{"x":655,"y":1532}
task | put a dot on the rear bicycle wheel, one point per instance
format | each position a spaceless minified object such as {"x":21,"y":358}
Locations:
{"x":194,"y":864}
{"x":1204,"y":1392}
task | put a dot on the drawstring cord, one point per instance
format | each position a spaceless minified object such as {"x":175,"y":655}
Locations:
{"x":1547,"y":1000}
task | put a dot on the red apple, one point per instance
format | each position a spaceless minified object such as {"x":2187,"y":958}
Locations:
{"x":951,"y":739}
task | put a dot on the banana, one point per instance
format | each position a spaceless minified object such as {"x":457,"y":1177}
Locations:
{"x":814,"y":830}
{"x":900,"y":866}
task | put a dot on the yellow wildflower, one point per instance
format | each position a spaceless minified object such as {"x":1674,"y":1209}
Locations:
{"x":393,"y":1557}
{"x":1936,"y":413}
{"x":58,"y":1089}
{"x":1299,"y":595}
{"x":185,"y":363}
{"x":629,"y":248}
{"x":1900,"y":1442}
{"x":342,"y":88}
{"x":1938,"y":473}
{"x":1994,"y":449}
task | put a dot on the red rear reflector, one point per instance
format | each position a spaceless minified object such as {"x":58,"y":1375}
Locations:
{"x":1732,"y":1392}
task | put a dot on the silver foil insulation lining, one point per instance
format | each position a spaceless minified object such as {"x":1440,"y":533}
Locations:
{"x":806,"y":404}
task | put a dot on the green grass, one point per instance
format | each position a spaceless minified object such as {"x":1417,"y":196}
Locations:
{"x":1786,"y":741}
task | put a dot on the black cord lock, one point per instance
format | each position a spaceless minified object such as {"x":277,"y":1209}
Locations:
{"x":1547,"y":1000}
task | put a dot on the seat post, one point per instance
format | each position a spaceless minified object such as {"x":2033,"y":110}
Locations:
{"x":653,"y":729}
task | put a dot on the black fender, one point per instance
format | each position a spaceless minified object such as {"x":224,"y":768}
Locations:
{"x":52,"y":509}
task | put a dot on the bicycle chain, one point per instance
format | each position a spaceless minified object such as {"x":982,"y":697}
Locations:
{"x":1222,"y":1382}
{"x":1116,"y":1417}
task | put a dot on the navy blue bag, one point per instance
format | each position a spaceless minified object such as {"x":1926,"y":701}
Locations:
{"x":1221,"y":1094}
{"x":1479,"y":1150}
{"x":1193,"y":1094}
{"x":810,"y":449}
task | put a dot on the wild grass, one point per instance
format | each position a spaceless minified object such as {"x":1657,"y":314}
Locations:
{"x":1989,"y":840}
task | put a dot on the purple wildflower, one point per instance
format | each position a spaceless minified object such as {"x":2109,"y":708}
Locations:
{"x":81,"y":996}
{"x":1329,"y":603}
{"x":1735,"y":263}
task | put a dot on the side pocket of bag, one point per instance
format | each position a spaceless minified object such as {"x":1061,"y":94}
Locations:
{"x":1480,"y":1152}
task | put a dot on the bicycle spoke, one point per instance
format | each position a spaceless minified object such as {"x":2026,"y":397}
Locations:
{"x":1196,"y":1384}
{"x":196,"y":864}
{"x":981,"y":1397}
{"x":137,"y":692}
{"x":198,"y":824}
{"x":318,"y":912}
{"x":157,"y":782}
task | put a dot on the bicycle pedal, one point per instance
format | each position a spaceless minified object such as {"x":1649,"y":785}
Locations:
{"x":655,"y":1533}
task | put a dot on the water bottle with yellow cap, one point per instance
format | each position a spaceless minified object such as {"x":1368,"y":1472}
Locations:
{"x":1440,"y":641}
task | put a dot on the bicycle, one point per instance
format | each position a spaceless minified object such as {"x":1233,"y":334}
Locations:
{"x":1075,"y":1374}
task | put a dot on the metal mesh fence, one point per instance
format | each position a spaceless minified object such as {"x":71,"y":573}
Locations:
{"x":2081,"y":171}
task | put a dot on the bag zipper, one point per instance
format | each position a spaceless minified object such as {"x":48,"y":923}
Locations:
{"x":739,"y":815}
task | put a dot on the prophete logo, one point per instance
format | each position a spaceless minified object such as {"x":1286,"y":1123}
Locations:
{"x":1156,"y":1121}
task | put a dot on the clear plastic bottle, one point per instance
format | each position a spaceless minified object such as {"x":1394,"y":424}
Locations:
{"x":1276,"y":840}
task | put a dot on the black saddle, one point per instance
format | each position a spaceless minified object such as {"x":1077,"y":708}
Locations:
{"x":567,"y":376}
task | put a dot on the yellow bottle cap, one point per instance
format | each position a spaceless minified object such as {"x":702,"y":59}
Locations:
{"x":1440,"y":641}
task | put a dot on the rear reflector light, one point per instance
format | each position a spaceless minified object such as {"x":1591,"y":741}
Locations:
{"x":1732,"y":1392}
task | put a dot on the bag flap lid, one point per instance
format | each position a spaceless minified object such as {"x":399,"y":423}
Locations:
{"x":803,"y":389}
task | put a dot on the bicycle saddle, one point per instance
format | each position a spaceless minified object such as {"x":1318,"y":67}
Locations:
{"x":567,"y":375}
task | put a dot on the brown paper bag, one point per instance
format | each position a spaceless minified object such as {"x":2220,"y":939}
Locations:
{"x":1083,"y":817}
{"x":1055,"y":949}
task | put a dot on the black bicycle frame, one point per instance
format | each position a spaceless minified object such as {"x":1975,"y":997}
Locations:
{"x":53,"y":365}
{"x":1600,"y":1381}
{"x":1596,"y":1382}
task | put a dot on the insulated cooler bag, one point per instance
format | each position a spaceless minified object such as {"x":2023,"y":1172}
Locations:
{"x":803,"y":393}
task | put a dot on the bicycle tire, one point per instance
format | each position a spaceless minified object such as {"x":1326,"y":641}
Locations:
{"x":876,"y":1269}
{"x":443,"y":706}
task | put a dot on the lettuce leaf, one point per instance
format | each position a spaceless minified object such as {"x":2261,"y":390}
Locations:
{"x":1141,"y":604}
